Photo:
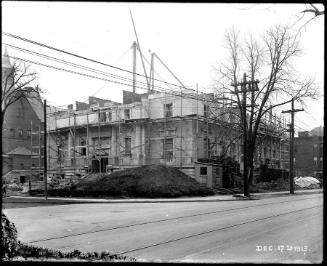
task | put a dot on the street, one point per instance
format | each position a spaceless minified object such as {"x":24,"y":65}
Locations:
{"x":280,"y":229}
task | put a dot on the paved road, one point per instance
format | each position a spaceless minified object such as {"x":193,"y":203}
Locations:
{"x":281,"y":229}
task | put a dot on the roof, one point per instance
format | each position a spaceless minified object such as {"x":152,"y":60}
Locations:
{"x":21,"y":151}
{"x":35,"y":101}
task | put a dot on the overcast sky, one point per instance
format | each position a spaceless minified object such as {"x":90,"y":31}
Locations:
{"x":189,"y":38}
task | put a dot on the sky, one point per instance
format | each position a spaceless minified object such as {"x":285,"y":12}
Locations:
{"x":189,"y":38}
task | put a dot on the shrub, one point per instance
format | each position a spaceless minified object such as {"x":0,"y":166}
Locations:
{"x":9,"y":244}
{"x":11,"y":248}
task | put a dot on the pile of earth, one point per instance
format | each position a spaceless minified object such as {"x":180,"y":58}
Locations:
{"x":151,"y":181}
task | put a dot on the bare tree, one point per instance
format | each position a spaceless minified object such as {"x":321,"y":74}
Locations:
{"x":305,"y":17}
{"x":224,"y":116}
{"x":268,"y":60}
{"x":16,"y":82}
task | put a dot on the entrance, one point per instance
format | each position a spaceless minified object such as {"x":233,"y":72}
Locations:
{"x":104,"y":163}
{"x":99,"y":167}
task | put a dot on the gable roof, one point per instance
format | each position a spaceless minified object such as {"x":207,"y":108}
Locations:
{"x":35,"y":101}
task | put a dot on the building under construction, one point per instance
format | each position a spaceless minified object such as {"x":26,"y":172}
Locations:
{"x":150,"y":128}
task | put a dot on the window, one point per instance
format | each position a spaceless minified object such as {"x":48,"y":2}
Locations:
{"x":102,"y":117}
{"x":22,"y":166}
{"x":205,"y":110}
{"x":315,"y":146}
{"x":28,"y":133}
{"x":315,"y":160}
{"x":20,"y":112}
{"x":206,"y":147}
{"x":12,"y":132}
{"x":127,"y":114}
{"x":20,"y":133}
{"x":83,"y":149}
{"x":168,"y":145}
{"x":168,"y":110}
{"x":203,"y":170}
{"x":109,"y":116}
{"x":128,"y":142}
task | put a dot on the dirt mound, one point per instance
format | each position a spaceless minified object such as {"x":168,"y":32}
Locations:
{"x":152,"y":181}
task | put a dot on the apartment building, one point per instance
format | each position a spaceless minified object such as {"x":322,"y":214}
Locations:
{"x":308,"y":154}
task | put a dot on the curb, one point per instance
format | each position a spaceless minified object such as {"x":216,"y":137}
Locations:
{"x":235,"y":197}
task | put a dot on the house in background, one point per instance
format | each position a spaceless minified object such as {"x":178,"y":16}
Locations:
{"x":16,"y":131}
{"x":308,"y":153}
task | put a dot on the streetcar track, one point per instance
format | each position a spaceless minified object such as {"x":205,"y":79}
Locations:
{"x":246,"y":238}
{"x":163,"y":220}
{"x":213,"y":230}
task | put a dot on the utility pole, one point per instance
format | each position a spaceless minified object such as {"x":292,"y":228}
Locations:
{"x":197,"y":122}
{"x":291,"y":130}
{"x":45,"y":150}
{"x":243,"y":90}
{"x":181,"y":132}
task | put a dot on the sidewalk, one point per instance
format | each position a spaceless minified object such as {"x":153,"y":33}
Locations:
{"x":254,"y":196}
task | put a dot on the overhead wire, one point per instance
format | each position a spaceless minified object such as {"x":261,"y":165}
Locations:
{"x":76,"y":55}
{"x":89,"y":69}
{"x":88,"y":59}
{"x":158,"y":88}
{"x":79,"y":66}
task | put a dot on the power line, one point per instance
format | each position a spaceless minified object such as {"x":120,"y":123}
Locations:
{"x":160,"y":89}
{"x":91,"y":76}
{"x":70,"y":71}
{"x":70,"y":63}
{"x":82,"y":67}
{"x":85,"y":58}
{"x":78,"y":56}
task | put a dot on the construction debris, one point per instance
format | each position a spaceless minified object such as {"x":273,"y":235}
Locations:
{"x":307,"y":182}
